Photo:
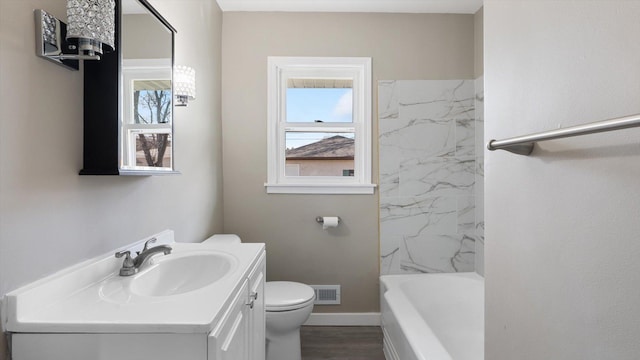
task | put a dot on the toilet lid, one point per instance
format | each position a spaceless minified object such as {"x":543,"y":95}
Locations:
{"x":287,"y":295}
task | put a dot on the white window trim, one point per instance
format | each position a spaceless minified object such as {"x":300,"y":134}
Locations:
{"x":279,"y":69}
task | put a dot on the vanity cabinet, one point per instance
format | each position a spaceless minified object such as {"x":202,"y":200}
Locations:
{"x":230,"y":339}
{"x":257,"y":318}
{"x":241,"y":333}
{"x":238,"y":331}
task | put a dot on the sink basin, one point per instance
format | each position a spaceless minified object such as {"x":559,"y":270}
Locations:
{"x":174,"y":274}
{"x":185,"y":292}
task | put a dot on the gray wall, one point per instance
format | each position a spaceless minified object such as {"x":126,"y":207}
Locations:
{"x":562,"y":269}
{"x":50,"y":217}
{"x":478,"y":43}
{"x":402,"y":46}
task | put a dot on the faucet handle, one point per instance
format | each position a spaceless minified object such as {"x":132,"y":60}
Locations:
{"x":128,"y":266}
{"x":125,"y":253}
{"x":146,"y":243}
{"x":127,"y":257}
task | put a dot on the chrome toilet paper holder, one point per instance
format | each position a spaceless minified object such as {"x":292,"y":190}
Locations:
{"x":320,"y":219}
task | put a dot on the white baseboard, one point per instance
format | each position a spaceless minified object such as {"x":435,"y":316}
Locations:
{"x":343,"y":319}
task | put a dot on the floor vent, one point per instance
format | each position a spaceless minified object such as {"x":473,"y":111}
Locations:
{"x":327,"y":294}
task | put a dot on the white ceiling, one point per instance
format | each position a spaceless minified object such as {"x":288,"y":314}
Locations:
{"x":390,"y":6}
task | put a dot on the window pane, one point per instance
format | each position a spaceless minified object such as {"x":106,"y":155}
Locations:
{"x":151,"y":101}
{"x":153,"y":149}
{"x":319,"y":100}
{"x":319,"y":154}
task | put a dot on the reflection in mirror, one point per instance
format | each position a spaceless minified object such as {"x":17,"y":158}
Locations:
{"x":147,"y":101}
{"x":151,"y":148}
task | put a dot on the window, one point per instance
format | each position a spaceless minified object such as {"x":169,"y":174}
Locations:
{"x":146,"y":120}
{"x":319,"y":125}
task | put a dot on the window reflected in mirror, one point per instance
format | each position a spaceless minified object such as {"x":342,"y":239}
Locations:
{"x":152,"y":101}
{"x":152,"y":149}
{"x":147,"y":96}
{"x":147,"y":114}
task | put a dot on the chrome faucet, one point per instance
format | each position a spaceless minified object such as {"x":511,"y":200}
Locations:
{"x":132,"y":266}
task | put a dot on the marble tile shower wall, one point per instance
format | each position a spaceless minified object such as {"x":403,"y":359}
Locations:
{"x":428,"y":171}
{"x":479,"y":186}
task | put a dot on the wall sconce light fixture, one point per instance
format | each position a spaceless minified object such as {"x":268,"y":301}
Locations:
{"x":89,"y":33}
{"x":184,"y":84}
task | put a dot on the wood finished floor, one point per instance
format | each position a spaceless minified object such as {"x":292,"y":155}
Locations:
{"x":341,"y":343}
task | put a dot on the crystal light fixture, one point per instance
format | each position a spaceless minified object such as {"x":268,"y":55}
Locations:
{"x":184,"y":84}
{"x":92,"y":23}
{"x":49,"y":33}
{"x":90,"y":32}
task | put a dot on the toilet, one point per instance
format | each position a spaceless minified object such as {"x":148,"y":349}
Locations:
{"x":288,"y":305}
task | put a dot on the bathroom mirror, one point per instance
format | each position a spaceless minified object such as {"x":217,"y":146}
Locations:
{"x":147,"y":100}
{"x":129,"y":98}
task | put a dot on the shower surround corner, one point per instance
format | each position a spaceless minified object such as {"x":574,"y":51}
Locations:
{"x":429,"y":165}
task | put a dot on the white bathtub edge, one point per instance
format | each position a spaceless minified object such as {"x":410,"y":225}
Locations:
{"x":417,"y":334}
{"x":343,"y":319}
{"x":389,"y":350}
{"x":407,"y":335}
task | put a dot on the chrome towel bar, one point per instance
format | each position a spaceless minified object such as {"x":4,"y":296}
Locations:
{"x":523,"y":145}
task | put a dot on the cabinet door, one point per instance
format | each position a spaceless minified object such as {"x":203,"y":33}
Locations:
{"x":256,"y":299}
{"x":230,"y":339}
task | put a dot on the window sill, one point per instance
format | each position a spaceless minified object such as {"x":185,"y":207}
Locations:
{"x":346,"y":189}
{"x":145,"y":172}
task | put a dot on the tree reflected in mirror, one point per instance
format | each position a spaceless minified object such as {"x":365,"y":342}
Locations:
{"x":152,"y":105}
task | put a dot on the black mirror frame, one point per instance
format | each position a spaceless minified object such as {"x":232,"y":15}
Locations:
{"x":103,"y":106}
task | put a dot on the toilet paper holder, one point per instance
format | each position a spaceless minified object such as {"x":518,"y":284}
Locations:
{"x":320,"y":219}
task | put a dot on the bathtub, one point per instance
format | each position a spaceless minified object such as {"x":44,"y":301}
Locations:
{"x":433,"y":316}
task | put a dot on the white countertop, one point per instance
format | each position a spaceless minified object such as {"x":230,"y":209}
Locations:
{"x":74,"y":299}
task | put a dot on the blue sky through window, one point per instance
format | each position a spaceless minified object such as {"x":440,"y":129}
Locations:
{"x":326,"y":104}
{"x":311,"y":104}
